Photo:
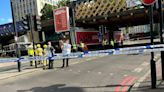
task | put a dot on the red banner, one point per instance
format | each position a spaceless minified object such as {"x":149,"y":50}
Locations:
{"x":61,"y":19}
{"x":88,"y":38}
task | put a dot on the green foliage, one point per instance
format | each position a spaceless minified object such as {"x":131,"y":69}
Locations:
{"x":62,"y":3}
{"x":47,"y":11}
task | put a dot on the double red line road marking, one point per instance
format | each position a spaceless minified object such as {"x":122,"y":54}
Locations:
{"x":125,"y":84}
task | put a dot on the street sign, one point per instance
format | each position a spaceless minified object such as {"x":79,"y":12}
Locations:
{"x":61,"y":19}
{"x":148,"y":2}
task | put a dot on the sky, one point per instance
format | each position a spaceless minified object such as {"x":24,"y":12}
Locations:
{"x":5,"y":12}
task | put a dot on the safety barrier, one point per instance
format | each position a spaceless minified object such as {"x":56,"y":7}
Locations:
{"x":117,"y":51}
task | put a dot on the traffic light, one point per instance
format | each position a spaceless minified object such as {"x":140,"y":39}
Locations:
{"x":26,"y":22}
{"x":37,"y":23}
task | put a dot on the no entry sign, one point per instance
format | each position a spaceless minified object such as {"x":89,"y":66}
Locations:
{"x":148,"y":2}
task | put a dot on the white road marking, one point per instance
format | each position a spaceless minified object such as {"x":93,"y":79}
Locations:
{"x":125,"y":75}
{"x":138,"y":70}
{"x":145,"y":64}
{"x":99,"y":72}
{"x":89,"y":59}
{"x":74,"y":63}
{"x":111,"y":74}
{"x":137,"y":84}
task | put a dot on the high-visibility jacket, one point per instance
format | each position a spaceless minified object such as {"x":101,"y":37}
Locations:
{"x":74,"y":46}
{"x":105,"y":42}
{"x":39,"y":51}
{"x":30,"y":52}
{"x":82,"y":45}
{"x":112,"y":42}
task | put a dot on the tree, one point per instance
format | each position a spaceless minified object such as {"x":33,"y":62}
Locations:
{"x":47,"y":12}
{"x":62,"y":3}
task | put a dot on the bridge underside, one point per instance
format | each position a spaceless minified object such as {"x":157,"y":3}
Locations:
{"x":123,"y":19}
{"x":112,"y":13}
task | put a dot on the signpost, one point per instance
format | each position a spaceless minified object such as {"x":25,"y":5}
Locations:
{"x":161,"y":34}
{"x":152,"y":61}
{"x":148,"y":2}
{"x":61,"y":19}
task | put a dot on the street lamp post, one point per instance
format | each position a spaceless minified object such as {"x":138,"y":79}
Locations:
{"x":72,"y":32}
{"x":16,"y":37}
{"x":161,"y":33}
{"x":152,"y":61}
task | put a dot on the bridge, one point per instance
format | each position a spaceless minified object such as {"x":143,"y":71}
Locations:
{"x":111,"y":13}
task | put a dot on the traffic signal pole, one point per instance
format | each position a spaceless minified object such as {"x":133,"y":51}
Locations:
{"x":31,"y":22}
{"x":152,"y":61}
{"x":161,"y":33}
{"x":16,"y":36}
{"x":72,"y":32}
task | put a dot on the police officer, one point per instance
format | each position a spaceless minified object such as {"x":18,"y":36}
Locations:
{"x":74,"y":47}
{"x":104,"y":43}
{"x":112,"y":43}
{"x":30,"y":52}
{"x":82,"y":45}
{"x":39,"y":51}
{"x":45,"y":51}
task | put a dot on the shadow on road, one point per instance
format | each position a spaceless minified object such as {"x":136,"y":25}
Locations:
{"x":63,"y":88}
{"x":53,"y":88}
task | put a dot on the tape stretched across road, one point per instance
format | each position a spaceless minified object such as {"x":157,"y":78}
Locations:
{"x":118,"y":51}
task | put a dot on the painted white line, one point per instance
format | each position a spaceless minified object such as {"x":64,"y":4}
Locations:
{"x":138,"y":70}
{"x":125,"y":75}
{"x":74,"y":63}
{"x":89,"y":59}
{"x":145,"y":64}
{"x":111,"y":74}
{"x":99,"y":73}
{"x":136,"y":85}
{"x":70,"y":70}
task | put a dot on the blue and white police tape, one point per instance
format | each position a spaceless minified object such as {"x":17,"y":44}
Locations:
{"x":3,"y":60}
{"x":128,"y":49}
{"x":120,"y":51}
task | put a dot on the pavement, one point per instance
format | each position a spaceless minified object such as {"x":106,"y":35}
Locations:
{"x":144,"y":83}
{"x":129,"y":42}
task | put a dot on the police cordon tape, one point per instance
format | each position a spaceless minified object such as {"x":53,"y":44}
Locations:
{"x":117,"y":51}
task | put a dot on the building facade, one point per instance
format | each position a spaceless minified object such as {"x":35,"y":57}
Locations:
{"x":24,"y":7}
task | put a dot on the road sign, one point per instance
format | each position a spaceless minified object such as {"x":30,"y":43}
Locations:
{"x":148,"y":2}
{"x":61,"y":19}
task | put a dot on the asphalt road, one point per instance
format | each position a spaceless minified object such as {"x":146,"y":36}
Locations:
{"x":103,"y":74}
